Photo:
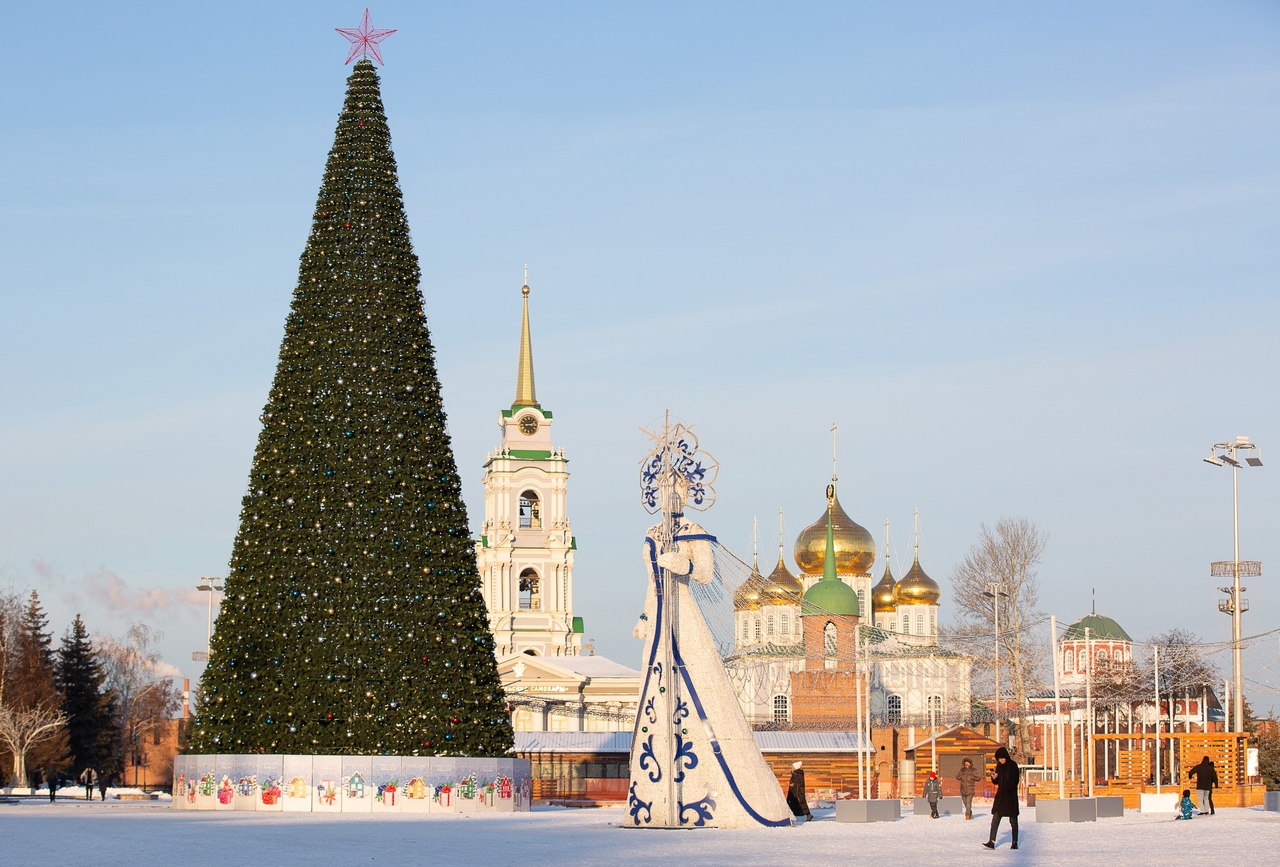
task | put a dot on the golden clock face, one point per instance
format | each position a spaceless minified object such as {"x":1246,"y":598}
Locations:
{"x":528,"y":425}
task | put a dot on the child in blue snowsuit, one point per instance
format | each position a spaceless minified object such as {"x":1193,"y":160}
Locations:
{"x":1185,"y":807}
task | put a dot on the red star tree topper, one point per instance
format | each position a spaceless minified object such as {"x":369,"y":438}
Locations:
{"x":364,"y":39}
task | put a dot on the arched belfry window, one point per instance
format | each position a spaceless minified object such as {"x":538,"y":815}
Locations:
{"x":530,"y":595}
{"x":530,"y":511}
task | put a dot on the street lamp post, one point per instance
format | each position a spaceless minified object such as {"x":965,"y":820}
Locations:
{"x":210,"y":585}
{"x":994,"y":589}
{"x":1228,"y":454}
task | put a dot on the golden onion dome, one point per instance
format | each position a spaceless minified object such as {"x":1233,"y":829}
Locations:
{"x":781,"y":587}
{"x":882,"y":594}
{"x":855,"y":549}
{"x":747,"y":596}
{"x":916,"y":588}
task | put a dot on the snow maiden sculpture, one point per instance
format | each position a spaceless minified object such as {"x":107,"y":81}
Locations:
{"x":694,"y":761}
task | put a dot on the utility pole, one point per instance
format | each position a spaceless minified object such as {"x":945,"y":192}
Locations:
{"x":994,"y":589}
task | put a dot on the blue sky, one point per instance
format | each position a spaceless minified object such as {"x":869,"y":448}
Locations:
{"x":1025,"y":256}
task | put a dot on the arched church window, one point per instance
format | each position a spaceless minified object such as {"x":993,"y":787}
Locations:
{"x":786,"y":623}
{"x":530,"y":511}
{"x":1102,"y":656}
{"x":933,"y":623}
{"x":768,"y":624}
{"x":935,"y":704}
{"x":920,"y":624}
{"x":781,"y":709}
{"x":746,"y":629}
{"x":906,"y":624}
{"x":829,"y":640}
{"x":893,"y":710}
{"x":530,"y":595}
{"x":862,"y":601}
{"x":757,"y":631}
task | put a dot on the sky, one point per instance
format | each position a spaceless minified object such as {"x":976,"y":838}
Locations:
{"x":1024,"y":255}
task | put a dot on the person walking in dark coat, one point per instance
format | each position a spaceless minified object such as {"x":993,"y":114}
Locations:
{"x":52,"y":776}
{"x":968,"y":777}
{"x":104,"y":780}
{"x":932,"y":792}
{"x":796,"y":798}
{"x":1206,"y":776}
{"x":89,"y":778}
{"x":1005,"y":777}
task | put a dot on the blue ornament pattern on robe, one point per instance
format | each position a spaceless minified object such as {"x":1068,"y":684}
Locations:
{"x":647,"y":758}
{"x":636,"y":806}
{"x":682,"y":711}
{"x":686,"y":759}
{"x":703,"y":810}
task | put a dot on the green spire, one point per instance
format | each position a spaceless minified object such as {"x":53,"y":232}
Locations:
{"x":829,"y":558}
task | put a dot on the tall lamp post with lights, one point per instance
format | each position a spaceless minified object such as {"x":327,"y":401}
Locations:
{"x":208,"y":585}
{"x":994,"y":589}
{"x":1230,"y":455}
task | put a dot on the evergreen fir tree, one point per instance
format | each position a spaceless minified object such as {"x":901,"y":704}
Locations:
{"x":92,"y":731}
{"x":32,"y":682}
{"x":353,"y":620}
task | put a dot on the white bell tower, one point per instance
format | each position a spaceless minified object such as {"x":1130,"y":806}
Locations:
{"x":525,"y":551}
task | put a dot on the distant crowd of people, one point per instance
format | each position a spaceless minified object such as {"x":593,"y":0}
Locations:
{"x":89,"y":778}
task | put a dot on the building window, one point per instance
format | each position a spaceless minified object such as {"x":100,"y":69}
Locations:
{"x":893,"y":710}
{"x":530,"y":597}
{"x":768,"y":624}
{"x":781,"y":709}
{"x":1102,"y":656}
{"x":746,"y":629}
{"x":906,"y":624}
{"x":933,"y":623}
{"x":786,"y":623}
{"x":757,"y":622}
{"x":1070,"y":664}
{"x":920,"y":624}
{"x":935,"y":704}
{"x":862,"y":603}
{"x":530,"y":511}
{"x":829,"y":640}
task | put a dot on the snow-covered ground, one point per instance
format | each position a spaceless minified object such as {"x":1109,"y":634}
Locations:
{"x":130,"y":833}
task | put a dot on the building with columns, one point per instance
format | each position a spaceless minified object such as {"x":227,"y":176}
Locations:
{"x":525,"y":558}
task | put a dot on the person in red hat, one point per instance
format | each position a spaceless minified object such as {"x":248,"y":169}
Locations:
{"x":933,"y":791}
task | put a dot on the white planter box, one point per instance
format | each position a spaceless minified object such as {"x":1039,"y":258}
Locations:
{"x":947,"y":806}
{"x":1110,"y":806}
{"x":861,"y":811}
{"x":1165,"y":802}
{"x":1067,"y":810}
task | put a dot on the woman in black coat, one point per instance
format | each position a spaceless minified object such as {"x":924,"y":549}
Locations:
{"x":1005,"y":777}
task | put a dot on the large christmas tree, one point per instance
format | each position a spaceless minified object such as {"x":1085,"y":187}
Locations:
{"x":353,"y":621}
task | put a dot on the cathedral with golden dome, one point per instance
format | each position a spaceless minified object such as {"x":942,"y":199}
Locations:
{"x":912,"y":679}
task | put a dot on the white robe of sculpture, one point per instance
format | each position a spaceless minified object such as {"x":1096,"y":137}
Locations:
{"x":694,"y":761}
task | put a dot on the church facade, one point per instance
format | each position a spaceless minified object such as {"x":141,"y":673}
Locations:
{"x":781,"y":678}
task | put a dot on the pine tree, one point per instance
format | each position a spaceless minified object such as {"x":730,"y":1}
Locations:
{"x":353,"y":620}
{"x":31,"y":699}
{"x":92,"y":731}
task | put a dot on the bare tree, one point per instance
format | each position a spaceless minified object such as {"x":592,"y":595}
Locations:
{"x":24,"y":729}
{"x":1006,"y":555}
{"x":145,"y":697}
